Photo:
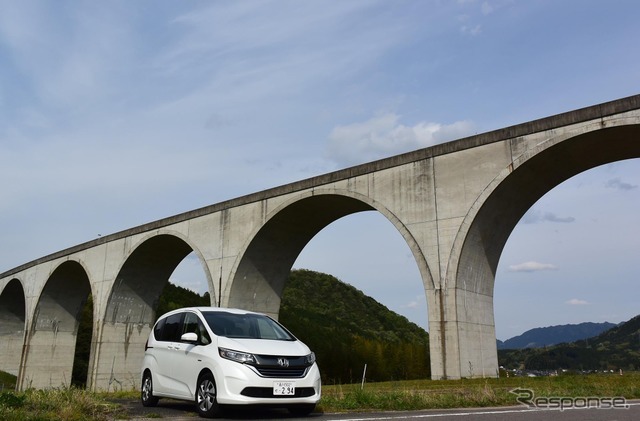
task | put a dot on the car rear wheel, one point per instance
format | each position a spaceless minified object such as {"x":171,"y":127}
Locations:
{"x":146,"y":394}
{"x":206,"y":396}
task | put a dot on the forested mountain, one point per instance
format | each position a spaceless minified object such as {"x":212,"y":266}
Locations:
{"x":347,"y":329}
{"x":617,"y":348}
{"x":553,"y":335}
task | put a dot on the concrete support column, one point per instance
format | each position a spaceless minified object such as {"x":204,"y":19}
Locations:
{"x":476,"y":334}
{"x":119,"y":356}
{"x":462,"y":335}
{"x":48,"y":360}
{"x":12,"y":325}
{"x":439,"y":336}
{"x":10,"y":351}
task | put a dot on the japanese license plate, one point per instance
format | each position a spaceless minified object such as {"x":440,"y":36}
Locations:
{"x":284,"y":388}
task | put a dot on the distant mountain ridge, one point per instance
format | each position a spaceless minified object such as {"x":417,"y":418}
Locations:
{"x":615,"y":349}
{"x":553,"y":335}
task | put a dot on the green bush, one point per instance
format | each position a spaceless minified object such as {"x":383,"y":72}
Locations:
{"x":10,"y":400}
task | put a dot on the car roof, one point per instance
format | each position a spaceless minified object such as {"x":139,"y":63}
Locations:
{"x":202,"y":309}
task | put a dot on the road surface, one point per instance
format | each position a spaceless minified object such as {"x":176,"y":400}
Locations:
{"x":183,"y":411}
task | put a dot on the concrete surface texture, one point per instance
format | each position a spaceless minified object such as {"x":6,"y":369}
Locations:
{"x":455,"y":204}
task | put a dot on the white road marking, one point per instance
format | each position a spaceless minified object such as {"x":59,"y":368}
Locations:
{"x":406,"y":416}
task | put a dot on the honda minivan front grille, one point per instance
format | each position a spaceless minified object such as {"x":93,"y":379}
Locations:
{"x":275,"y":372}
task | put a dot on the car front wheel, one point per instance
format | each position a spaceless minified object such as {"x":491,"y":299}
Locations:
{"x":206,"y":396}
{"x":146,"y":394}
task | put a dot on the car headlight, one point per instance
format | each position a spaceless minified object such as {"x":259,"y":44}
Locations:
{"x":241,"y":357}
{"x":311,"y":358}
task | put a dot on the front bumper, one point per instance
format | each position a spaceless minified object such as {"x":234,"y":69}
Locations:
{"x":239,"y":384}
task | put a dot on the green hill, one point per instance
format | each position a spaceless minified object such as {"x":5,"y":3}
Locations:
{"x":347,"y":329}
{"x":617,"y":348}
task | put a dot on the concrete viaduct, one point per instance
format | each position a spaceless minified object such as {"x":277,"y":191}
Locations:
{"x":455,"y":204}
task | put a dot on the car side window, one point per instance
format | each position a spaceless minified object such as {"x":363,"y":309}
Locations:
{"x":172,"y":328}
{"x":157,"y":330}
{"x":204,"y":335}
{"x":192,"y":323}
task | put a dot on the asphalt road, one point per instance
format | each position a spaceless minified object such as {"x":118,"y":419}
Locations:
{"x":184,"y":411}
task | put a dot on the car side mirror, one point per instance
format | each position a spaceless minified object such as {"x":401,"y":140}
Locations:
{"x":191,"y":337}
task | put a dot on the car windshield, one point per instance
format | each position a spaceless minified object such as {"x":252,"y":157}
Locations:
{"x":246,"y":326}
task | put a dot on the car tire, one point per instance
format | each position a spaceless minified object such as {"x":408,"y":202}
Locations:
{"x":146,"y":391}
{"x":206,"y":396}
{"x":302,"y":410}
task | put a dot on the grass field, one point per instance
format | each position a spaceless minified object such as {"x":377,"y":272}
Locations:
{"x":75,"y":404}
{"x":428,"y":394}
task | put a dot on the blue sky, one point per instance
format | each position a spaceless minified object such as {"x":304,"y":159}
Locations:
{"x":113,"y":114}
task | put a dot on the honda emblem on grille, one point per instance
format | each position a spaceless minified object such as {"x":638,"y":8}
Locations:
{"x":283,"y":362}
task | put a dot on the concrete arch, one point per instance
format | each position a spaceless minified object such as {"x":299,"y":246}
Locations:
{"x":131,"y":308}
{"x":479,"y":243}
{"x":518,"y":187}
{"x":143,"y":274}
{"x":262,"y":269}
{"x":12,"y":325}
{"x":49,"y":350}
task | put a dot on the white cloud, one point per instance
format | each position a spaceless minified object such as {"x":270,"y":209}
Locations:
{"x":471,"y":30}
{"x":534,"y":216}
{"x":411,"y":304}
{"x":532,"y":266}
{"x":470,"y":15}
{"x":576,"y":302}
{"x":617,"y":183}
{"x":384,"y":135}
{"x":486,"y":8}
{"x":264,"y":49}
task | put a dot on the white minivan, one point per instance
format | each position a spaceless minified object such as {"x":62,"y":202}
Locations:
{"x":221,"y":356}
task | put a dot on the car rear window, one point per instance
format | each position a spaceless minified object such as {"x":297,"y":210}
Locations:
{"x":246,"y":326}
{"x":157,"y":330}
{"x":172,"y":328}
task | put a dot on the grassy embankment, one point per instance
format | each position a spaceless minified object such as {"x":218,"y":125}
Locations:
{"x":76,"y":404}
